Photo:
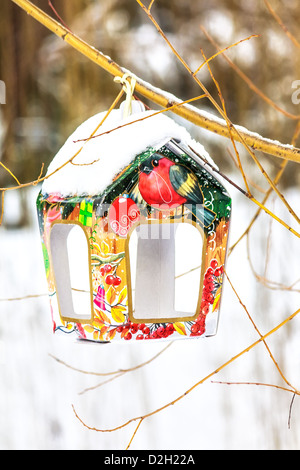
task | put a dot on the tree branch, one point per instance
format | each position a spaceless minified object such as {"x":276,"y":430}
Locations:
{"x":160,"y":97}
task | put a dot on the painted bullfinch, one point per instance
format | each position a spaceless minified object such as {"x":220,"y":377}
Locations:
{"x":163,"y":182}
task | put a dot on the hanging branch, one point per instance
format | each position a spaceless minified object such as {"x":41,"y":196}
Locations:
{"x":162,"y":98}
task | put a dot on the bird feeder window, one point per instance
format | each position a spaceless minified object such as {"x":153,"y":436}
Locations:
{"x":153,"y":223}
{"x":71,"y":271}
{"x":164,"y":253}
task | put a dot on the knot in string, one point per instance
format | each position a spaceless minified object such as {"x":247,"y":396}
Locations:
{"x":128,"y":87}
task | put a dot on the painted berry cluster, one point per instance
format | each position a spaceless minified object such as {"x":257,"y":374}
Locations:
{"x":109,"y":272}
{"x":141,"y":331}
{"x":211,"y":286}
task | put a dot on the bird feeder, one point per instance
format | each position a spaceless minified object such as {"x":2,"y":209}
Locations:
{"x":134,"y":229}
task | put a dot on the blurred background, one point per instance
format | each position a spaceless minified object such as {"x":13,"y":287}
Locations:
{"x":50,"y":90}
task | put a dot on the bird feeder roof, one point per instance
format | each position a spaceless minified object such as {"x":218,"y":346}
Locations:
{"x":114,"y":146}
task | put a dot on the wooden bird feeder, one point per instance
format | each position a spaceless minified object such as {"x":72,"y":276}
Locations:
{"x":134,"y":232}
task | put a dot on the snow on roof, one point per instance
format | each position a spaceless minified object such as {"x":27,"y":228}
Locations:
{"x":105,"y":155}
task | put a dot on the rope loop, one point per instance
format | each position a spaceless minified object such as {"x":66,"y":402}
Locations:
{"x":128,"y":87}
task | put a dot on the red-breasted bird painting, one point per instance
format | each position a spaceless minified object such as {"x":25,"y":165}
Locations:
{"x":162,"y":182}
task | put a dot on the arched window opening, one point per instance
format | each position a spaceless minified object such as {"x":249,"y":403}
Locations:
{"x":160,"y":256}
{"x":71,"y":265}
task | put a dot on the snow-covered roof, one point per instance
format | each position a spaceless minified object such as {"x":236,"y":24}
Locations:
{"x":105,"y":155}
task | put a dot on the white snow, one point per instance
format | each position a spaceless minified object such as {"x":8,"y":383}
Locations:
{"x":37,"y":392}
{"x":114,"y":146}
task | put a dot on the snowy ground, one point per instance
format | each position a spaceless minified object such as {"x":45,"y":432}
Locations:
{"x":37,"y":392}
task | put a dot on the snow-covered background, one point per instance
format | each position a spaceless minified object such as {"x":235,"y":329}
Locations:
{"x":37,"y":392}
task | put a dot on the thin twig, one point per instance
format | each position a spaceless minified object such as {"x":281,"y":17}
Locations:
{"x":231,"y":136}
{"x":150,"y":5}
{"x":259,"y":204}
{"x":10,"y":172}
{"x":272,"y":285}
{"x":282,"y":25}
{"x":58,"y":16}
{"x":104,"y":374}
{"x":32,"y":296}
{"x":200,"y":382}
{"x":278,"y":387}
{"x":135,"y":431}
{"x":221,"y":51}
{"x":111,"y":379}
{"x":255,"y":217}
{"x":251,"y":182}
{"x":290,"y":411}
{"x":276,"y":181}
{"x":261,"y":336}
{"x":247,"y":80}
{"x":170,"y":108}
{"x":2,"y":205}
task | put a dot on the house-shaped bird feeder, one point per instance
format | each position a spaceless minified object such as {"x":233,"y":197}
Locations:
{"x":134,"y":228}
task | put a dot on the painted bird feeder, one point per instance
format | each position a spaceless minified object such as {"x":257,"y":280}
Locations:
{"x":134,"y":228}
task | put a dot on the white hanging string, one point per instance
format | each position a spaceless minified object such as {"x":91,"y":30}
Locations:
{"x":128,"y":87}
